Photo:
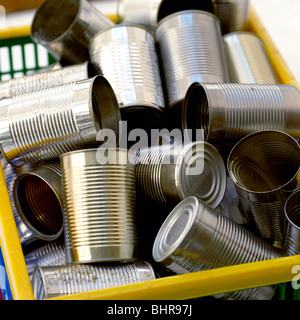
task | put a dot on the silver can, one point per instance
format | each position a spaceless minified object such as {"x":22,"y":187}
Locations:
{"x":170,"y":173}
{"x":292,"y":215}
{"x":247,"y":59}
{"x":10,"y":172}
{"x":65,"y":28}
{"x":228,"y":112}
{"x":49,"y":254}
{"x":38,"y":199}
{"x":233,"y":14}
{"x":127,"y":57}
{"x":39,"y":126}
{"x":100,"y":204}
{"x":149,"y":13}
{"x":46,"y":79}
{"x":50,"y":282}
{"x":191,"y":50}
{"x":264,"y":167}
{"x":196,"y":237}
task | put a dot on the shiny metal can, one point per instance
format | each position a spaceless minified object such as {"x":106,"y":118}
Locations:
{"x":65,"y":28}
{"x":264,"y":167}
{"x":233,"y":14}
{"x":191,"y":50}
{"x":38,"y":199}
{"x":228,"y":112}
{"x":11,"y":173}
{"x":149,"y":13}
{"x":171,"y":172}
{"x":247,"y":59}
{"x":55,"y":281}
{"x":45,"y":79}
{"x":196,"y":237}
{"x":50,"y":254}
{"x":39,"y":126}
{"x":292,"y":215}
{"x":127,"y":57}
{"x":100,"y":203}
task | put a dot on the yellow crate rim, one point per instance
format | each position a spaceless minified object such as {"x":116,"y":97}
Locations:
{"x":192,"y":285}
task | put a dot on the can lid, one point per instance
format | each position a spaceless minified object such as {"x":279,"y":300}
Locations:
{"x":175,"y":229}
{"x":201,"y":173}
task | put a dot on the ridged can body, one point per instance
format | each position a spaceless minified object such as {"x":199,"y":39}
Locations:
{"x":292,"y":215}
{"x":149,"y":13}
{"x":195,"y":237}
{"x":43,"y":80}
{"x":127,"y":57}
{"x":228,"y":112}
{"x":233,"y":14}
{"x":264,"y":168}
{"x":66,"y":27}
{"x":10,"y":172}
{"x":38,"y":199}
{"x":247,"y":59}
{"x":100,"y":203}
{"x":49,"y":254}
{"x":170,"y":173}
{"x":50,"y":282}
{"x":191,"y":50}
{"x":39,"y":126}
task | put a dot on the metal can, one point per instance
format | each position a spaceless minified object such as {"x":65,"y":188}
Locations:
{"x":172,"y":172}
{"x":45,"y":79}
{"x":55,"y":281}
{"x":292,"y":215}
{"x":264,"y":167}
{"x":247,"y":59}
{"x":191,"y":50}
{"x":126,"y":56}
{"x":65,"y":28}
{"x":196,"y":237}
{"x":39,"y":126}
{"x":38,"y":199}
{"x":227,"y":112}
{"x":100,"y":203}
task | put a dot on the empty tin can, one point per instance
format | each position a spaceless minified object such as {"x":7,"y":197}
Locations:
{"x":46,"y":79}
{"x":50,"y":282}
{"x":49,"y":254}
{"x":233,"y":14}
{"x":172,"y":172}
{"x":191,"y":50}
{"x":149,"y":13}
{"x":264,"y":167}
{"x":100,"y":203}
{"x":227,"y":111}
{"x":65,"y":28}
{"x":38,"y":199}
{"x":10,"y":172}
{"x":247,"y":59}
{"x":196,"y":237}
{"x":292,"y":215}
{"x":41,"y":125}
{"x":126,"y":56}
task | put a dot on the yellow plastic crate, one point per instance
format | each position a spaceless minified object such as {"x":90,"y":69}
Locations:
{"x":188,"y":286}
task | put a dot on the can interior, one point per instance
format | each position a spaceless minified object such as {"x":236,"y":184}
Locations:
{"x":39,"y":206}
{"x":196,"y":111}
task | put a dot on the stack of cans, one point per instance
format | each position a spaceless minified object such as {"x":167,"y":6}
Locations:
{"x":173,"y":111}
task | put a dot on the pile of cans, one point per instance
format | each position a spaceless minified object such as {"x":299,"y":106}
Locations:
{"x":161,"y":144}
